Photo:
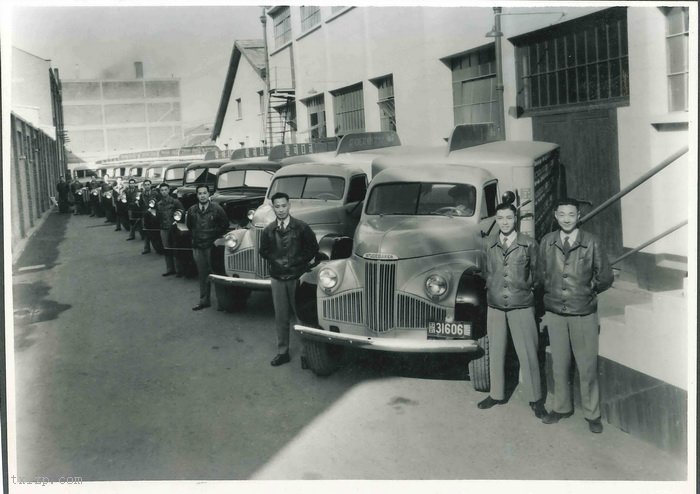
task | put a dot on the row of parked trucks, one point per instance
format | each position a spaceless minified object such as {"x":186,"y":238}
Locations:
{"x":399,"y":266}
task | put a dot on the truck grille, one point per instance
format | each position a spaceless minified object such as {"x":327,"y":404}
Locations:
{"x":346,"y":307}
{"x":380,"y":284}
{"x":413,"y":312}
{"x":243,"y":260}
{"x":262,"y":267}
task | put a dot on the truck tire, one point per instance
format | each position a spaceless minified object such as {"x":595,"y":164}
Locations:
{"x":322,"y":358}
{"x":479,"y":368}
{"x":230,"y":299}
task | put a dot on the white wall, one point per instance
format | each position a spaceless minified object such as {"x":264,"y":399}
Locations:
{"x":31,"y":90}
{"x":248,"y":129}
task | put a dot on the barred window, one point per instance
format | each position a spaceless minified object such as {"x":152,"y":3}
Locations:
{"x":283,"y":27}
{"x":576,"y":63}
{"x":474,"y":86}
{"x":387,"y":109}
{"x":310,"y":17}
{"x":349,"y":107}
{"x":677,"y":21}
{"x":317,"y":117}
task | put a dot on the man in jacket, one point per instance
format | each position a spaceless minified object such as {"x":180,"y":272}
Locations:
{"x":94,"y":198}
{"x":63,"y":189}
{"x":573,"y":270}
{"x":107,"y":191}
{"x":147,"y":220}
{"x":119,"y":204}
{"x":288,"y":244}
{"x":510,"y":271}
{"x":206,"y":221}
{"x":134,"y":219}
{"x":166,"y":207}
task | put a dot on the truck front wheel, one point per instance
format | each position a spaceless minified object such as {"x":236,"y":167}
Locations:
{"x":479,"y":368}
{"x":322,"y":358}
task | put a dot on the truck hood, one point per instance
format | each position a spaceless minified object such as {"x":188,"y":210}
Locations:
{"x":415,"y":236}
{"x":310,"y":211}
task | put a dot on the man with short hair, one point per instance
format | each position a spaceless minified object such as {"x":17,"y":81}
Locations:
{"x":510,"y":272}
{"x":63,"y":189}
{"x":166,"y":207}
{"x":573,"y":270}
{"x":134,"y":220}
{"x":288,"y":244}
{"x":94,"y":199}
{"x":107,"y":191}
{"x":147,"y":223}
{"x":206,"y":221}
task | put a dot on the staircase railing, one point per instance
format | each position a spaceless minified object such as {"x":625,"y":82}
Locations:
{"x":649,"y":242}
{"x":634,"y":184}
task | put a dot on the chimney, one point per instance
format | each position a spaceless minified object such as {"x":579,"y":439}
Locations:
{"x":139,"y":69}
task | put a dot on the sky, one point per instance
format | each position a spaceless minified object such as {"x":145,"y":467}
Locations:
{"x":191,"y":43}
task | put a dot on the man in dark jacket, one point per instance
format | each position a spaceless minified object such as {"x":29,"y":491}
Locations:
{"x":288,"y":244}
{"x":510,"y":271}
{"x":148,"y":221}
{"x":132,"y":209}
{"x":166,"y":207}
{"x":107,"y":191}
{"x":206,"y":221}
{"x":63,"y":190}
{"x":573,"y":269}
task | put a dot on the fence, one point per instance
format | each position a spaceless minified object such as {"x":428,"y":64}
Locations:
{"x":36,"y":166}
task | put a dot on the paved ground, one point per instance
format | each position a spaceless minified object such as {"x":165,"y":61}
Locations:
{"x":117,"y":379}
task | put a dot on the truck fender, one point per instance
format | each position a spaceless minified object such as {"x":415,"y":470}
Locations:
{"x":334,"y":246}
{"x":470,"y":302}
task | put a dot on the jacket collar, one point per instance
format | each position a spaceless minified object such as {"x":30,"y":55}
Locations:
{"x":582,"y":239}
{"x":519,"y":239}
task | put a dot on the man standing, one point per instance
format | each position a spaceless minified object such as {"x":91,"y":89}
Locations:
{"x":119,"y":203}
{"x":147,"y":195}
{"x":510,"y":270}
{"x":206,"y":221}
{"x":63,"y":189}
{"x":132,"y":194}
{"x":166,"y":206}
{"x":94,"y":198}
{"x":75,"y":187}
{"x":573,"y":270}
{"x":107,"y":205}
{"x":288,"y":244}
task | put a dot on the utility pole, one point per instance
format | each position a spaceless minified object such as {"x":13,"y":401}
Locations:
{"x":268,"y":123}
{"x":501,"y":129}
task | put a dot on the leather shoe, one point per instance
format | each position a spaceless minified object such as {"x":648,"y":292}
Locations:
{"x":489,"y":402}
{"x":554,"y":417}
{"x":538,"y":408}
{"x":595,"y":426}
{"x":130,"y":238}
{"x":169,"y":273}
{"x":201,"y":306}
{"x":280,"y":358}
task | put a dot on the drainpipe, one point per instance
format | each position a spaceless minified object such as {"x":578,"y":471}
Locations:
{"x":268,"y":124}
{"x":501,"y":129}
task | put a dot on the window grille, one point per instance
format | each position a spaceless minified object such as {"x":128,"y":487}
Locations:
{"x":677,"y":22}
{"x":348,"y":104}
{"x":310,"y":17}
{"x":283,"y":27}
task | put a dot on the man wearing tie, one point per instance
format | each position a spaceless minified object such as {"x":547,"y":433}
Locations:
{"x":573,"y":270}
{"x":207,"y":221}
{"x":288,"y":244}
{"x":510,"y":271}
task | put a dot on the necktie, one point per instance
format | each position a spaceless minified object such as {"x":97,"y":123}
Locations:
{"x":281,"y":226}
{"x":567,"y":246}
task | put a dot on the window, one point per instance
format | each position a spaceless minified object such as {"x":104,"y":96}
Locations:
{"x":310,"y":17}
{"x":435,"y":199}
{"x":474,"y":86}
{"x":282,"y":26}
{"x":239,"y":109}
{"x":358,"y":188}
{"x":677,"y":21}
{"x":303,"y":187}
{"x":317,"y":117}
{"x":489,"y":201}
{"x":349,"y":107}
{"x":244,"y":178}
{"x":387,"y":109}
{"x":581,"y":62}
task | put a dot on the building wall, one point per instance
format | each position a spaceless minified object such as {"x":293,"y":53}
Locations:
{"x":107,"y":118}
{"x":31,"y":91}
{"x":249,"y":128}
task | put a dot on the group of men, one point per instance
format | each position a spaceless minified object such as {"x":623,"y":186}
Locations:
{"x":570,"y":268}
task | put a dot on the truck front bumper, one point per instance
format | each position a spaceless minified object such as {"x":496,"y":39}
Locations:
{"x":250,"y":284}
{"x":388,"y":344}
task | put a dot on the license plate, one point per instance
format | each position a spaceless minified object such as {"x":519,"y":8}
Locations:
{"x":451,"y":330}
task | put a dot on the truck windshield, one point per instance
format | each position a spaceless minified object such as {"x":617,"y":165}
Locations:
{"x":244,"y":178}
{"x":154,"y":172}
{"x":174,"y":174}
{"x":309,"y":187}
{"x":201,"y":175}
{"x":422,"y":198}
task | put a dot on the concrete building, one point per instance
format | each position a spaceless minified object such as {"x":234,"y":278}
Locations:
{"x":608,"y":84}
{"x":108,"y":117}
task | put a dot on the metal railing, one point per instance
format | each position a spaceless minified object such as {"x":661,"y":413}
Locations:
{"x":649,"y":242}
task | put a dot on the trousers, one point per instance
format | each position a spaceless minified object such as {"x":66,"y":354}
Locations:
{"x":202,"y":258}
{"x":523,"y":330}
{"x":577,"y":334}
{"x":172,"y":263}
{"x":283,"y":300}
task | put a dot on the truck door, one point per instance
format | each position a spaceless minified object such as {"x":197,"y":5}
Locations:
{"x":487,"y":209}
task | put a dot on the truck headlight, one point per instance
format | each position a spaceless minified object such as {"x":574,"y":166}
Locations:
{"x":177,"y":215}
{"x":435,"y":286}
{"x":328,"y":279}
{"x":108,"y":195}
{"x":251,"y":213}
{"x":231,"y":242}
{"x":151,"y":203}
{"x":123,"y":199}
